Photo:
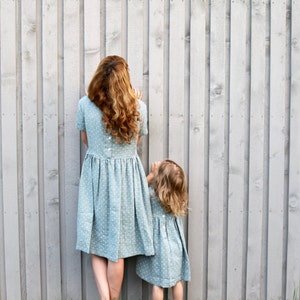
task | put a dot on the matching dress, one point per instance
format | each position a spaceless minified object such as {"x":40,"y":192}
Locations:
{"x":114,"y":211}
{"x":170,"y":263}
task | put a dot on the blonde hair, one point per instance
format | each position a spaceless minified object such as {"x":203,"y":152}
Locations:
{"x":110,"y":89}
{"x":170,"y":187}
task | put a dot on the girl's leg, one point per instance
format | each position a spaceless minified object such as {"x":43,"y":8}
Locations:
{"x":157,"y":293}
{"x":177,"y":291}
{"x":100,"y":271}
{"x":115,"y":273}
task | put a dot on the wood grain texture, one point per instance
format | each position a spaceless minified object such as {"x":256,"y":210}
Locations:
{"x":221,"y":81}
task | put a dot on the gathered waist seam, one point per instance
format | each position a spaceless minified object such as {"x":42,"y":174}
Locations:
{"x":100,"y":157}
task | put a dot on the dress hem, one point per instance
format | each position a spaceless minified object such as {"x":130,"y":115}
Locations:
{"x":116,"y":259}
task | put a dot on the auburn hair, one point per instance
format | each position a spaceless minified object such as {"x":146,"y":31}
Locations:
{"x":110,"y":89}
{"x":169,"y":184}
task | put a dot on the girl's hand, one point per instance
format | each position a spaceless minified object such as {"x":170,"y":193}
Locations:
{"x":155,"y":166}
{"x":138,"y":94}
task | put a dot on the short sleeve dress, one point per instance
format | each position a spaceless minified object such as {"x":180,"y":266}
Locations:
{"x":170,"y":263}
{"x":114,"y":211}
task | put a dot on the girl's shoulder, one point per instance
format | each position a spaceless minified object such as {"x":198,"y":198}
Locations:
{"x":157,"y":208}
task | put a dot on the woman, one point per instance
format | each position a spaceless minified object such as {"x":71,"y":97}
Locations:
{"x":114,"y":212}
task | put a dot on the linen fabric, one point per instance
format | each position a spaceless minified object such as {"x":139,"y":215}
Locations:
{"x":170,"y":263}
{"x":114,"y":212}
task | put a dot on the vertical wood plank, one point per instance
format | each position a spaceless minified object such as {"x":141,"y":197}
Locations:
{"x":92,"y":56}
{"x":293,"y":258}
{"x":135,"y":30}
{"x":197,"y":189}
{"x":276,"y":171}
{"x":9,"y":159}
{"x":238,"y":143}
{"x":113,"y":26}
{"x":92,"y":33}
{"x":156,"y":86}
{"x":61,"y":44}
{"x":216,"y":178}
{"x":50,"y":150}
{"x":89,"y":288}
{"x":135,"y":39}
{"x":70,"y":144}
{"x":177,"y":101}
{"x":30,"y":149}
{"x":258,"y":62}
{"x":2,"y":244}
{"x":135,"y":57}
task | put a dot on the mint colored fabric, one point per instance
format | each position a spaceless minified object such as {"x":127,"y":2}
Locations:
{"x":170,"y":263}
{"x":114,"y":211}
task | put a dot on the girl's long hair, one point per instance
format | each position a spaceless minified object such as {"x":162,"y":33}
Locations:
{"x":110,"y":89}
{"x":170,"y":187}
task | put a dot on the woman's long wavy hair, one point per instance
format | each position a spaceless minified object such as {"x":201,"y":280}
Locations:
{"x":110,"y":89}
{"x":170,"y":187}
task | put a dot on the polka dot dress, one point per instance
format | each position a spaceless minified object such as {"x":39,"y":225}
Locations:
{"x":114,"y":212}
{"x":170,"y":263}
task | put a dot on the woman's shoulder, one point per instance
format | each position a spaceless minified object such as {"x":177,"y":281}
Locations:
{"x":84,"y":100}
{"x":142,"y":105}
{"x":85,"y":104}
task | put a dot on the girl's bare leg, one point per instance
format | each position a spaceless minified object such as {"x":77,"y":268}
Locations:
{"x":177,"y":291}
{"x":100,"y":272}
{"x":157,"y":293}
{"x":115,"y":273}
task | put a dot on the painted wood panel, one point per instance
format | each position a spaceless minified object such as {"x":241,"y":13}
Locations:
{"x":216,"y":118}
{"x":30,"y":154}
{"x":69,"y":91}
{"x":256,"y":149}
{"x":293,"y":258}
{"x":221,"y":82}
{"x":50,"y":152}
{"x":238,"y":150}
{"x":198,"y":166}
{"x":276,"y":199}
{"x":9,"y":149}
{"x":157,"y":85}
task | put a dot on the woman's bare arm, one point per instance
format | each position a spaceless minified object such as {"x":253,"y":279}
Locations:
{"x":84,"y":138}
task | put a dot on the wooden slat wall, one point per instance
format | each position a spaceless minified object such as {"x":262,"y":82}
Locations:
{"x":221,"y":80}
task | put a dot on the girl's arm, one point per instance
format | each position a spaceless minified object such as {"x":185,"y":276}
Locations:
{"x":150,"y":177}
{"x":84,"y":138}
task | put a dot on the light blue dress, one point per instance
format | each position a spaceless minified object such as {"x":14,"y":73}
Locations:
{"x":170,"y":263}
{"x":114,"y":211}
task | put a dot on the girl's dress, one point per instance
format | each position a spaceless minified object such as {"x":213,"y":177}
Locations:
{"x":170,"y":263}
{"x":114,"y":211}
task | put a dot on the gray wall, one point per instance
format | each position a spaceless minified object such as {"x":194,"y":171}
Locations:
{"x":221,"y":80}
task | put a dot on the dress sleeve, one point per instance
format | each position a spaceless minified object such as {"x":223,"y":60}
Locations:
{"x":144,"y":123}
{"x":80,"y":122}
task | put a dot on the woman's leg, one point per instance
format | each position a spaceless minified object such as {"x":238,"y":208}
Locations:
{"x":115,"y":273}
{"x":157,"y":293}
{"x":100,"y":271}
{"x":177,"y":291}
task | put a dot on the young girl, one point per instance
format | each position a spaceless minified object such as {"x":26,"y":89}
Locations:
{"x":170,"y":264}
{"x":114,"y":212}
